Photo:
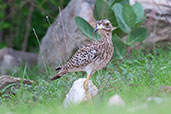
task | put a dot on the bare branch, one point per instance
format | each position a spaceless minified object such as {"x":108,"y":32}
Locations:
{"x":47,"y":18}
{"x":40,"y":9}
{"x":40,"y":49}
{"x":28,"y":24}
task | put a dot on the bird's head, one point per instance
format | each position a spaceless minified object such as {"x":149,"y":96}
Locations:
{"x":104,"y":26}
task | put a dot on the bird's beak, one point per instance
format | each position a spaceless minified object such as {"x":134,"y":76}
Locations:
{"x":97,"y":28}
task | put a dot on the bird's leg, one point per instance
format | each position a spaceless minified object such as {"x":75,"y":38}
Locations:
{"x":86,"y":87}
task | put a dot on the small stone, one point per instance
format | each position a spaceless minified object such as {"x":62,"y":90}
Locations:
{"x":157,"y":100}
{"x":77,"y":94}
{"x":116,"y":100}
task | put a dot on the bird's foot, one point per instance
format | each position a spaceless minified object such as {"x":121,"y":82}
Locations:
{"x":87,"y":92}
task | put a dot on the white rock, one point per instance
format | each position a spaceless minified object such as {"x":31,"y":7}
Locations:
{"x":157,"y":100}
{"x":77,"y":94}
{"x":116,"y":100}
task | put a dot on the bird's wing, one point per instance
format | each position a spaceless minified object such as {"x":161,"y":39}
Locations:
{"x":83,"y":57}
{"x":79,"y":60}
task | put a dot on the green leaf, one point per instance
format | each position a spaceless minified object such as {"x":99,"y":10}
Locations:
{"x":124,"y":2}
{"x":129,"y":15}
{"x":117,"y":8}
{"x":2,"y":45}
{"x":95,"y":14}
{"x":137,"y":35}
{"x":102,"y":10}
{"x":139,"y":11}
{"x":119,"y":47}
{"x":2,"y":6}
{"x":86,"y":28}
{"x":112,"y":2}
{"x":6,"y":87}
{"x":4,"y":25}
{"x":1,"y":14}
{"x":119,"y":32}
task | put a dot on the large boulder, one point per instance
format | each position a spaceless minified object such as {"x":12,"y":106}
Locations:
{"x":158,"y":20}
{"x":63,"y":37}
{"x":11,"y":59}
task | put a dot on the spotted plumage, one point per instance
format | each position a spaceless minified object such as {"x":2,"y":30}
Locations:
{"x":91,"y":57}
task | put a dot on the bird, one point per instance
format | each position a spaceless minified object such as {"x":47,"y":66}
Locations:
{"x":92,"y":57}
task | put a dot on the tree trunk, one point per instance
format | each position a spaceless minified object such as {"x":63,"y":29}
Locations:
{"x":28,"y":25}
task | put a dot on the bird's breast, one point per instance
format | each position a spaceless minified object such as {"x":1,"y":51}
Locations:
{"x":106,"y":53}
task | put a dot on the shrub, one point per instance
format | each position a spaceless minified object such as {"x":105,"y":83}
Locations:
{"x":128,"y":20}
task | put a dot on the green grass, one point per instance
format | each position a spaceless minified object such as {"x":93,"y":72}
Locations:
{"x":138,"y":77}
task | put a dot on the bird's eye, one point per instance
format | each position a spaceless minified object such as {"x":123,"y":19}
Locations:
{"x":107,"y":24}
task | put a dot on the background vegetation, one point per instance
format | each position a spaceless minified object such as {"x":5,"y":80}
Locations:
{"x":18,"y":17}
{"x":140,"y":75}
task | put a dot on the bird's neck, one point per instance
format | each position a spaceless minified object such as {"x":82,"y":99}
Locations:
{"x":107,"y":36}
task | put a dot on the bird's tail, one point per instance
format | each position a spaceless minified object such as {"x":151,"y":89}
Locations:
{"x":58,"y":68}
{"x":59,"y":74}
